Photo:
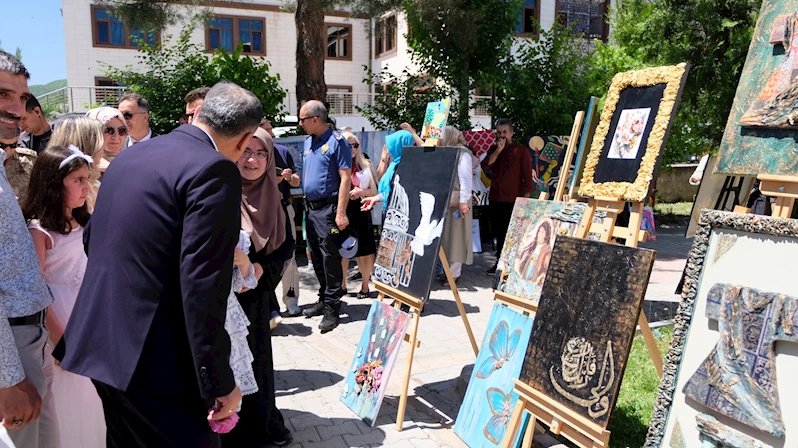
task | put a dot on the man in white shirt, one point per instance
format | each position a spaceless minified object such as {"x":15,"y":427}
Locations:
{"x":136,"y":110}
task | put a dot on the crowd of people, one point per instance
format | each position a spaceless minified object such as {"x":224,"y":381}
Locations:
{"x":139,"y":272}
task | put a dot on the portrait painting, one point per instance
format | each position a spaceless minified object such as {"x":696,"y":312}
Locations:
{"x":585,"y":323}
{"x":633,"y":130}
{"x":729,"y":377}
{"x":526,"y":254}
{"x":489,"y":399}
{"x":367,"y":379}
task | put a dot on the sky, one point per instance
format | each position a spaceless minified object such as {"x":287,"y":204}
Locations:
{"x":36,"y":27}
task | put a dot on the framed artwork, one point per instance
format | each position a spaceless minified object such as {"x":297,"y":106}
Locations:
{"x":730,"y":367}
{"x":489,"y":399}
{"x":367,"y":379}
{"x":628,"y":142}
{"x":586,"y":136}
{"x":585,"y":323}
{"x":414,"y":218}
{"x":527,"y":249}
{"x":761,"y":135}
{"x":435,"y":119}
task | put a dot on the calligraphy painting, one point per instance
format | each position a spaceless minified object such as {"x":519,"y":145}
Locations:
{"x":761,"y":135}
{"x":524,"y":260}
{"x":367,"y":379}
{"x":415,"y":217}
{"x":489,"y":399}
{"x":630,"y":138}
{"x":585,"y":323}
{"x":435,"y":119}
{"x":733,"y":357}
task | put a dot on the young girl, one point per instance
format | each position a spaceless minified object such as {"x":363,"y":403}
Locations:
{"x":56,"y":212}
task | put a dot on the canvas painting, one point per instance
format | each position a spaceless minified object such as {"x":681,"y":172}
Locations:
{"x":435,"y":119}
{"x":585,"y":138}
{"x":761,"y":135}
{"x":525,"y":257}
{"x":489,"y":399}
{"x":630,"y":138}
{"x":414,"y":219}
{"x":548,"y":153}
{"x":367,"y":379}
{"x":585,"y":323}
{"x":729,"y":377}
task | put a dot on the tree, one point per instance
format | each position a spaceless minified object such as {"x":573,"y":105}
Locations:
{"x":17,"y":53}
{"x":461,"y":42}
{"x":310,"y":46}
{"x":168,"y":73}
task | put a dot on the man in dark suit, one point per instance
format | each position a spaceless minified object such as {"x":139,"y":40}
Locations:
{"x":148,"y":324}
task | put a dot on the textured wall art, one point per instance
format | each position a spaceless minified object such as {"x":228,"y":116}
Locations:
{"x":414,"y":219}
{"x":489,"y":399}
{"x":761,"y":135}
{"x":728,"y":380}
{"x":528,"y":246}
{"x":628,"y":143}
{"x":585,"y":323}
{"x":367,"y":379}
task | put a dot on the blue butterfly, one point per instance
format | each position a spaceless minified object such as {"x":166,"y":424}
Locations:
{"x":500,"y":407}
{"x":502,"y":346}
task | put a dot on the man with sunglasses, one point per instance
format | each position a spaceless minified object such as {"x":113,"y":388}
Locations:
{"x":136,"y":110}
{"x":327,"y":168}
{"x":194,"y":100}
{"x":37,"y":130}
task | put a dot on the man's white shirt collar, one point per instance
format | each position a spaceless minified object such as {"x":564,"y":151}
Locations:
{"x":132,"y":141}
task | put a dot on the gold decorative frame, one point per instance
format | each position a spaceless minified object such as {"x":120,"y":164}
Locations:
{"x":674,"y":77}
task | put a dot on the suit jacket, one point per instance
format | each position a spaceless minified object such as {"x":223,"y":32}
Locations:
{"x":150,"y":313}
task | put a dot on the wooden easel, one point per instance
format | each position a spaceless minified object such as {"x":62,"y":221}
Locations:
{"x":416,"y":306}
{"x":784,"y":189}
{"x":573,"y":142}
{"x":632,"y":234}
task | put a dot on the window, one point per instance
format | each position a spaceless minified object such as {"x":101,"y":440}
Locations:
{"x":385,"y":36}
{"x":530,"y":16}
{"x":339,"y":41}
{"x":340,"y":99}
{"x":109,"y":31}
{"x":228,"y":32}
{"x":587,"y":18}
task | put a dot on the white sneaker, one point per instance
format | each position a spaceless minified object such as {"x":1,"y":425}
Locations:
{"x":274,"y":322}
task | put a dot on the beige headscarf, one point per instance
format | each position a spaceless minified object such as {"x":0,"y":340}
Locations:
{"x":262,"y":213}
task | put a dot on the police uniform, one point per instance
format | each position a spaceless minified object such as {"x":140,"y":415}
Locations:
{"x":18,"y":168}
{"x":322,"y":158}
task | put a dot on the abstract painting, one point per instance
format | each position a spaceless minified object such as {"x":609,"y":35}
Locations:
{"x":586,"y":137}
{"x":435,"y":119}
{"x":548,"y":154}
{"x":630,"y":138}
{"x":367,"y":378}
{"x":414,"y":219}
{"x":761,"y":135}
{"x":489,"y":399}
{"x":585,"y":323}
{"x":729,"y":373}
{"x":528,"y":245}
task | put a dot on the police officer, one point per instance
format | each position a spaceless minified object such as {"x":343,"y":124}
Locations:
{"x":18,"y":165}
{"x":327,"y":169}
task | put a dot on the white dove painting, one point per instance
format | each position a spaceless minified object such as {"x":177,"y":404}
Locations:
{"x":428,"y":229}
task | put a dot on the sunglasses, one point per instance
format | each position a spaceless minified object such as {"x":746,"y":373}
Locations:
{"x":8,"y":145}
{"x":111,"y":131}
{"x":259,"y":155}
{"x":188,"y":117}
{"x":129,"y":115}
{"x":307,"y":118}
{"x":356,"y":145}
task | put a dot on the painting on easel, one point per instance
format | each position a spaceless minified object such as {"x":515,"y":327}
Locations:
{"x":489,"y":399}
{"x":435,"y":119}
{"x":367,"y":379}
{"x":414,"y":219}
{"x":585,"y":323}
{"x":530,"y":238}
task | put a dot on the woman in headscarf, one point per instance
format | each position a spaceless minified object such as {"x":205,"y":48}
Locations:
{"x":263,"y":217}
{"x":391,"y":156}
{"x":114,"y":132}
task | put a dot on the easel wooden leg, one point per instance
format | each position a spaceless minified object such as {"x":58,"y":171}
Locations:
{"x":783,"y":207}
{"x":459,"y":302}
{"x":530,"y":432}
{"x":651,"y":342}
{"x":515,"y":422}
{"x":400,"y":415}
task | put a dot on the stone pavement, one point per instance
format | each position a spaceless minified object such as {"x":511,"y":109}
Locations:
{"x":310,"y":366}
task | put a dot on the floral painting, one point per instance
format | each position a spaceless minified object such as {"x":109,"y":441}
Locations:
{"x":367,"y":379}
{"x":629,"y":133}
{"x":489,"y":400}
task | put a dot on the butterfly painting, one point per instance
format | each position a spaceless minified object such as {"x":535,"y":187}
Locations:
{"x":489,"y":399}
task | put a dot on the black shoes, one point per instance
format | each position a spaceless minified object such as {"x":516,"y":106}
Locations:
{"x":331,"y":317}
{"x":283,"y":440}
{"x":364,"y":295}
{"x":316,"y":310}
{"x":492,"y":270}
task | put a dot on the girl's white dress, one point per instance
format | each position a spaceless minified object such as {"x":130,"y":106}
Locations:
{"x":236,"y":324}
{"x":78,"y":407}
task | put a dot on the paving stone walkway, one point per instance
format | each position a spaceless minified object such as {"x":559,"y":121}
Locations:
{"x":310,"y":366}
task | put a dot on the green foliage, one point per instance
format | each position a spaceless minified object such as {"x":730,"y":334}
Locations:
{"x":157,"y":14}
{"x":166,"y":74}
{"x":544,"y":84}
{"x":402,"y":99}
{"x":17,"y":53}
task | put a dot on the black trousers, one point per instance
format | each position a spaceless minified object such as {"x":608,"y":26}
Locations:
{"x":500,"y":215}
{"x":137,"y":419}
{"x":324,"y":253}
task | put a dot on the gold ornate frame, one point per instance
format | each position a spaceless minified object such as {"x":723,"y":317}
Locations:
{"x":674,"y":77}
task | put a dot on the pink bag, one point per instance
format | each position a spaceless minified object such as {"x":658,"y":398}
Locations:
{"x":224,"y":425}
